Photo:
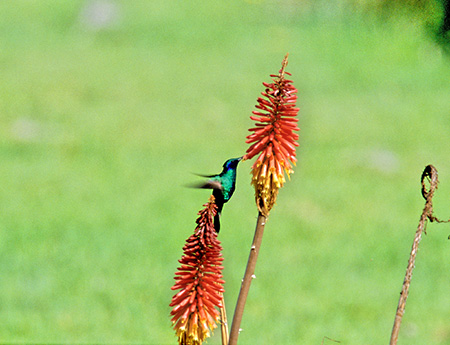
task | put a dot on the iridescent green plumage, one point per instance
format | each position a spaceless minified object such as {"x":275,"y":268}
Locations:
{"x":223,"y":186}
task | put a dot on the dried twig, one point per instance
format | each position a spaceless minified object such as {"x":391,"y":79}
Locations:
{"x":429,"y":174}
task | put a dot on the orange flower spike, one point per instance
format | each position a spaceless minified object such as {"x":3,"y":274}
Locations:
{"x":273,"y":138}
{"x":195,"y":313}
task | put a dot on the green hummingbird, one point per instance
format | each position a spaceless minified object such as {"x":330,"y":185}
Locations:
{"x":223,"y":186}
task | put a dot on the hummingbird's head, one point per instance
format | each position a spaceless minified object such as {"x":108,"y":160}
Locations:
{"x":231,"y":163}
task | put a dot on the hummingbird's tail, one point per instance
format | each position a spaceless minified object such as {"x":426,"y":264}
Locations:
{"x":217,"y":222}
{"x":218,"y":197}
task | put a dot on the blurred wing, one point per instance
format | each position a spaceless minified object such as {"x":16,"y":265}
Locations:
{"x":211,"y":184}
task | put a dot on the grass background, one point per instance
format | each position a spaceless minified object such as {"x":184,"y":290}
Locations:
{"x":107,"y":107}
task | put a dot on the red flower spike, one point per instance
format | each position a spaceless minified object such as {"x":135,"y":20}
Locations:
{"x":195,"y":313}
{"x":273,"y":138}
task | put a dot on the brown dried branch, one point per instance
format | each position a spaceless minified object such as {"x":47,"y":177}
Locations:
{"x":429,"y":175}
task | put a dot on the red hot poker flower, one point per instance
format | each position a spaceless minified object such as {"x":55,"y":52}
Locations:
{"x":199,"y":277}
{"x":273,"y":138}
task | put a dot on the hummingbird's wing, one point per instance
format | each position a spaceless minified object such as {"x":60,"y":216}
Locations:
{"x":211,"y":184}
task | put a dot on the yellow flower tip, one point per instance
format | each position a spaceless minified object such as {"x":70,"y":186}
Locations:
{"x":263,"y":173}
{"x":274,"y":176}
{"x":288,"y":175}
{"x":195,"y":334}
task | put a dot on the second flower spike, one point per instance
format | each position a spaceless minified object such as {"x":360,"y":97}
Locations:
{"x":273,"y":138}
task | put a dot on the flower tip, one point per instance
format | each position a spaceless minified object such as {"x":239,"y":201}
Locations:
{"x":284,"y":64}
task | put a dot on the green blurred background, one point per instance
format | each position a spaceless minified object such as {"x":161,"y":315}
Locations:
{"x":108,"y":107}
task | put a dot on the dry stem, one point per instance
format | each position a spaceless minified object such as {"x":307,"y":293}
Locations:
{"x":248,"y":277}
{"x":430,"y":173}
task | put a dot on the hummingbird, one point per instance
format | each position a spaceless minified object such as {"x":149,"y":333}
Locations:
{"x":223,"y":186}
